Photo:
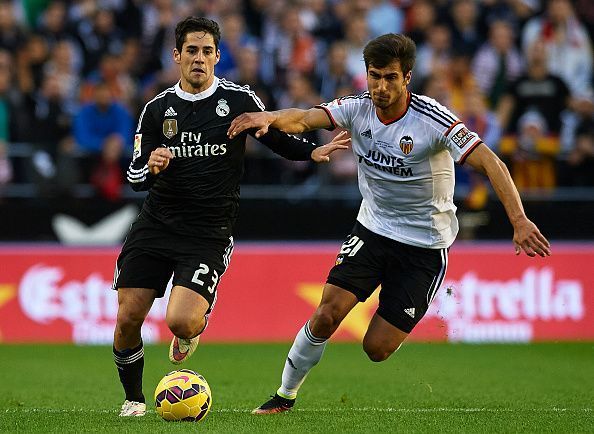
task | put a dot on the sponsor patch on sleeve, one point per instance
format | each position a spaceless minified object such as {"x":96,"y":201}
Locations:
{"x":461,"y":136}
{"x":137,"y":146}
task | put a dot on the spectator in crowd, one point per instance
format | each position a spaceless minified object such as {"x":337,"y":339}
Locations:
{"x":434,"y":55}
{"x":54,"y":25}
{"x":101,"y":120}
{"x":333,"y":77}
{"x":479,"y":118}
{"x":235,"y":40}
{"x":248,"y":72}
{"x":61,"y":63}
{"x":53,"y":167}
{"x":111,"y":71}
{"x":567,"y":44}
{"x":537,"y":90}
{"x":294,"y":49}
{"x":47,"y":120}
{"x":533,"y":152}
{"x":300,"y":93}
{"x":584,"y":10}
{"x":11,"y":32}
{"x":107,"y":175}
{"x":466,"y":32}
{"x":577,"y":166}
{"x":97,"y":36}
{"x":384,"y":17}
{"x":261,"y":167}
{"x":530,"y":113}
{"x":325,"y":25}
{"x":357,"y":35}
{"x":498,"y":62}
{"x":460,"y":81}
{"x":420,"y":18}
{"x":158,"y":25}
{"x":30,"y":60}
{"x":513,"y":12}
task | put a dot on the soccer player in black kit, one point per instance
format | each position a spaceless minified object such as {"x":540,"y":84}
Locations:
{"x":183,"y":157}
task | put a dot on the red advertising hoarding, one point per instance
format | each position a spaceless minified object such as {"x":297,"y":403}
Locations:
{"x":59,"y":294}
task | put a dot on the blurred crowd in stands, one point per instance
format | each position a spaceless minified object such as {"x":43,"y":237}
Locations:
{"x":74,"y":75}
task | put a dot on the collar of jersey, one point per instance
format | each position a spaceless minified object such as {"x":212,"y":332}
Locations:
{"x":196,"y":96}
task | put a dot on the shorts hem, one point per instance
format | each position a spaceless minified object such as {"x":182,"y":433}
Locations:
{"x":160,"y":293}
{"x":361,"y":296}
{"x":401,"y":323}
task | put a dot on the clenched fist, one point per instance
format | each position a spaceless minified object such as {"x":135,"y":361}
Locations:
{"x":159,"y":160}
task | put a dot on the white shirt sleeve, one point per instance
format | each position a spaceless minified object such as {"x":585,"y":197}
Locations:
{"x":460,"y":141}
{"x":341,"y":111}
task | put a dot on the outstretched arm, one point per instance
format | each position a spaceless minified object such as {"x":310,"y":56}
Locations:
{"x":527,"y":237}
{"x":294,"y":148}
{"x":291,"y":120}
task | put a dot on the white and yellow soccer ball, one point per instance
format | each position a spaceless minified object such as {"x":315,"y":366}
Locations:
{"x":183,"y":395}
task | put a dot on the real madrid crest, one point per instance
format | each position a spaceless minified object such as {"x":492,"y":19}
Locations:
{"x":169,"y":128}
{"x":223,"y":108}
{"x":406,"y":144}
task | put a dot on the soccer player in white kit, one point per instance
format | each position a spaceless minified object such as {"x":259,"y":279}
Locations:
{"x":405,"y":146}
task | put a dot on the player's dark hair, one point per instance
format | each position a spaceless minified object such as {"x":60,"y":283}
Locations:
{"x":385,"y":49}
{"x":196,"y":24}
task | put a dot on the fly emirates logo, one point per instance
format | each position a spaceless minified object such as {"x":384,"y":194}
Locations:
{"x":481,"y":310}
{"x":190,"y":146}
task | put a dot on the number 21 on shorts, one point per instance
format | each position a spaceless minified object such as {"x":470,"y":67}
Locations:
{"x":351,"y":246}
{"x":204,"y":270}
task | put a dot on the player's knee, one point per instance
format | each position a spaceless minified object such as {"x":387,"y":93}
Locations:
{"x":324,"y":322}
{"x":183,"y":327}
{"x":378,"y":353}
{"x":129,"y":320}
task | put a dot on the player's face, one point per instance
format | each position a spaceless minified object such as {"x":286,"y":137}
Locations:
{"x":196,"y":61}
{"x":387,"y":85}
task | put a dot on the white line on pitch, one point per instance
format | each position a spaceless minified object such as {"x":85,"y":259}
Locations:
{"x":333,"y":410}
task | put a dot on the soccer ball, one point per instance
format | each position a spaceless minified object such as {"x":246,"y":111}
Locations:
{"x":183,"y":395}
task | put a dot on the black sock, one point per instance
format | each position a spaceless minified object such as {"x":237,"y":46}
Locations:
{"x":130,"y":363}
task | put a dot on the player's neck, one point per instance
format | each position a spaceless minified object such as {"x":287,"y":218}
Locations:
{"x":394,"y":111}
{"x":187,"y":87}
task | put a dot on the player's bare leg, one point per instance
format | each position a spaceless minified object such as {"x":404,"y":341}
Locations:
{"x":308,"y":347}
{"x":187,"y":319}
{"x":382,"y":339}
{"x":128,"y":351}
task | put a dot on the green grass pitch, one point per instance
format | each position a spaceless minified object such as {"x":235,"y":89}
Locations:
{"x":431,"y":388}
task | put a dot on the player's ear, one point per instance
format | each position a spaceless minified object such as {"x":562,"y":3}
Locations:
{"x":218,"y":57}
{"x":176,"y":56}
{"x":408,"y":77}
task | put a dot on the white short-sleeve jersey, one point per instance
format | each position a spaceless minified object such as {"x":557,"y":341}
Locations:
{"x":406,"y":167}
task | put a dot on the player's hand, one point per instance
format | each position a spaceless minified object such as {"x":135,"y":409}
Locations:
{"x":322,"y":153}
{"x":245,"y":121}
{"x":159,"y":160}
{"x":528,"y":238}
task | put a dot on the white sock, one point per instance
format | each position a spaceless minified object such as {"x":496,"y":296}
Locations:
{"x":305,"y":353}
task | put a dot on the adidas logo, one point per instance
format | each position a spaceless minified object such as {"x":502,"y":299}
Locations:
{"x":367,"y":134}
{"x":170,"y":112}
{"x":410,"y":312}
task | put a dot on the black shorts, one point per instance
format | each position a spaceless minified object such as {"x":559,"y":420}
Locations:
{"x":152,"y":254}
{"x":409,"y":276}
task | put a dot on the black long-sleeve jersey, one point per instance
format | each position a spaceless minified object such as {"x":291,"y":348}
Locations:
{"x":199,"y":190}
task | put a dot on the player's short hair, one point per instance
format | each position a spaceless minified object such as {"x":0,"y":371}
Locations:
{"x":385,"y":49}
{"x":196,"y":24}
